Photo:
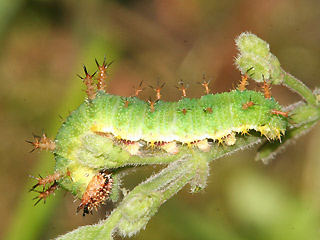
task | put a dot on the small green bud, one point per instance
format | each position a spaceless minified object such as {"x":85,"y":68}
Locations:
{"x":249,"y":43}
{"x":256,"y":59}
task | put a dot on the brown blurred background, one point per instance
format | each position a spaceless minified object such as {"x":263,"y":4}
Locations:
{"x":43,"y":46}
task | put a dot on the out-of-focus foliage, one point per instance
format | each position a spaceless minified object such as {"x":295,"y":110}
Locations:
{"x":43,"y":46}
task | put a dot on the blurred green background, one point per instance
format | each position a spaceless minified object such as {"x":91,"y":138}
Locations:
{"x":43,"y":46}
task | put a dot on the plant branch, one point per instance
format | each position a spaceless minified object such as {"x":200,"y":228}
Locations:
{"x":296,"y":85}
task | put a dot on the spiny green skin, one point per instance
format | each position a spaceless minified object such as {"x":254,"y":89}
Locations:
{"x":83,"y":153}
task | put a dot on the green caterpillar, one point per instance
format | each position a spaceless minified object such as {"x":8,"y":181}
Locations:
{"x":108,"y":133}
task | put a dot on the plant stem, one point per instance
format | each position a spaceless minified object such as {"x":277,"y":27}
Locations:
{"x":299,"y":87}
{"x":110,"y":225}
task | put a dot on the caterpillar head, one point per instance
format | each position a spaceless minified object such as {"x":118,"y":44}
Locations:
{"x":96,"y":193}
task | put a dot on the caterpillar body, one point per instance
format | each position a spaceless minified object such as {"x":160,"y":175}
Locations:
{"x":107,"y":114}
{"x":108,"y":132}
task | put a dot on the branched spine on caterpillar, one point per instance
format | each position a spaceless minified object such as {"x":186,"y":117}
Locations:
{"x":244,"y":82}
{"x":266,"y":89}
{"x":108,"y":131}
{"x":88,"y":81}
{"x":183,"y":89}
{"x":102,"y":71}
{"x":126,"y":103}
{"x":42,"y":143}
{"x":44,"y":181}
{"x":158,"y":89}
{"x":46,"y":193}
{"x":208,"y":110}
{"x":138,"y":89}
{"x":152,"y":108}
{"x":277,"y":112}
{"x":248,"y":104}
{"x":205,"y":84}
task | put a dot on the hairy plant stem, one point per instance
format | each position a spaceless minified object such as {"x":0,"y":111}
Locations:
{"x":299,"y":87}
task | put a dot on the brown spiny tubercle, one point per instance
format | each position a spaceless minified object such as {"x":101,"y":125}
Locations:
{"x":208,"y":110}
{"x":183,"y":89}
{"x":277,"y":112}
{"x":158,"y":89}
{"x":184,"y":110}
{"x":102,"y":75}
{"x":248,"y":104}
{"x":42,"y":143}
{"x":243,"y":83}
{"x":205,"y":84}
{"x":89,"y":82}
{"x":126,"y":103}
{"x":266,"y":89}
{"x":44,"y":181}
{"x":138,"y":89}
{"x":49,"y":179}
{"x":45,"y":193}
{"x":244,"y":80}
{"x":152,"y":107}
